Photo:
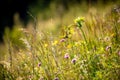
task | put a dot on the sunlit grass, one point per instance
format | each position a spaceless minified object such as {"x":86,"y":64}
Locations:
{"x":87,"y":49}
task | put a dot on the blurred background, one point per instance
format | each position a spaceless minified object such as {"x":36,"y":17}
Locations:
{"x":49,"y":15}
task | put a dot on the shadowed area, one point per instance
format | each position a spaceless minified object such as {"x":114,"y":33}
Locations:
{"x":10,"y":7}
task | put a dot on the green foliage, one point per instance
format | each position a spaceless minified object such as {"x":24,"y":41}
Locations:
{"x":42,"y":55}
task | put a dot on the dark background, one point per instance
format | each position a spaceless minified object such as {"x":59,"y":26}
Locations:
{"x":9,"y":7}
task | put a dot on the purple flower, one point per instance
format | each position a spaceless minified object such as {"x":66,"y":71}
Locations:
{"x":107,"y":48}
{"x":66,"y":56}
{"x":62,"y":40}
{"x":39,"y":64}
{"x":56,"y":78}
{"x":74,"y":60}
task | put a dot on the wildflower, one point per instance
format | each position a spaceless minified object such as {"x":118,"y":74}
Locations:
{"x":62,"y":40}
{"x":56,"y":78}
{"x":107,"y":48}
{"x":66,"y":56}
{"x":72,"y":30}
{"x":39,"y":64}
{"x":55,"y":43}
{"x":107,"y":38}
{"x":78,"y":21}
{"x":69,"y":46}
{"x":46,"y":45}
{"x":74,"y":60}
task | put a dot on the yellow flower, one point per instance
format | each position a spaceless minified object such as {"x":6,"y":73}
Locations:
{"x":46,"y":45}
{"x":72,"y":31}
{"x":78,"y":21}
{"x":55,"y":43}
{"x":69,"y":46}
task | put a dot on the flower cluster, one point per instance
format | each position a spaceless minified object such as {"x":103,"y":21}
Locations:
{"x":78,"y":21}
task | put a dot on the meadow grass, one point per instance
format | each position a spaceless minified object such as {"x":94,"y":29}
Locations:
{"x":86,"y":49}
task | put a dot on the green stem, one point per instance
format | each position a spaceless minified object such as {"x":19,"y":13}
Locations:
{"x":81,"y":31}
{"x":83,"y":35}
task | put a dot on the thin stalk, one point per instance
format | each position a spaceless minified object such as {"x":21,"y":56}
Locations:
{"x":80,"y":30}
{"x":10,"y":53}
{"x":9,"y":50}
{"x":116,"y":31}
{"x":83,"y":35}
{"x":33,"y":40}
